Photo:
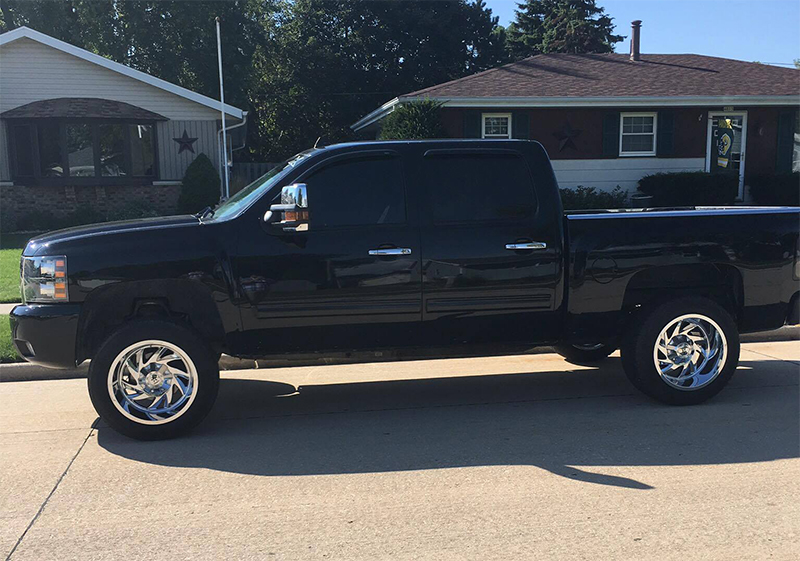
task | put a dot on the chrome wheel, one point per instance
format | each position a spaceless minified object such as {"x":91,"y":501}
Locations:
{"x":152,"y":382}
{"x":690,"y":352}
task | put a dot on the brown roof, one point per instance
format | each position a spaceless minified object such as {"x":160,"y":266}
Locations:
{"x":72,"y":107}
{"x":614,"y":75}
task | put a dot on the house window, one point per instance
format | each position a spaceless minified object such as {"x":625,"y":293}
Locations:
{"x":496,"y":125}
{"x":48,"y":150}
{"x":637,"y":134}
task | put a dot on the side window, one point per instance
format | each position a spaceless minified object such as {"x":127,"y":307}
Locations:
{"x":478,"y":187}
{"x":357,"y":192}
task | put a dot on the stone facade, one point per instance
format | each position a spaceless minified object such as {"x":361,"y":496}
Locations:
{"x":20,"y":204}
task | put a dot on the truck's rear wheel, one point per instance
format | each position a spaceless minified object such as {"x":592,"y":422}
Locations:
{"x":584,"y":354}
{"x":683,"y":352}
{"x":153,"y":379}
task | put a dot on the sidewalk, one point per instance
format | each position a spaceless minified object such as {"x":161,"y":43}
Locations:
{"x":5,"y":309}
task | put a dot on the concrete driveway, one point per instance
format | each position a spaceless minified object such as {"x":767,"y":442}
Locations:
{"x":507,"y":458}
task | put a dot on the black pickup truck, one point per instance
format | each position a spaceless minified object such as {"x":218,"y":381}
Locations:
{"x":446,"y":247}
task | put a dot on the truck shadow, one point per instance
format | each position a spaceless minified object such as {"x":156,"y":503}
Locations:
{"x":564,"y":422}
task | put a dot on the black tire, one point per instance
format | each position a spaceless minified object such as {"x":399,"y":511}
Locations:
{"x":198,"y":352}
{"x":584,"y":355}
{"x":638,"y":350}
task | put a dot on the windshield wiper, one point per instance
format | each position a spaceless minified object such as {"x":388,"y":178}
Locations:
{"x":207,"y":212}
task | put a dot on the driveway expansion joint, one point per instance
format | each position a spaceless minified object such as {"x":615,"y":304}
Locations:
{"x":52,"y":492}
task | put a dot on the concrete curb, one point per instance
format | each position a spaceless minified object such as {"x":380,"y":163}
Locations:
{"x":25,"y":372}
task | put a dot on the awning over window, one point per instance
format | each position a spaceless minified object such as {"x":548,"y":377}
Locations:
{"x":81,"y":107}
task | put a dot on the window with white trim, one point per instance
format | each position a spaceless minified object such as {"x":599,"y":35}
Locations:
{"x":496,"y":125}
{"x":637,"y":134}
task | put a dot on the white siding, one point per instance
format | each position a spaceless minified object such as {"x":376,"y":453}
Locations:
{"x":173,"y":165}
{"x":30,"y":71}
{"x":625,"y":172}
{"x":5,"y":173}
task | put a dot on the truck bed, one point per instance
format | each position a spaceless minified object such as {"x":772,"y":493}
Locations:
{"x":619,"y":260}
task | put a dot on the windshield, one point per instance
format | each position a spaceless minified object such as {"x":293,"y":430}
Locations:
{"x":248,"y":195}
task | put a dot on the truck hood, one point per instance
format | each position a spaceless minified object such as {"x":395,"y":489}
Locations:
{"x":41,"y":242}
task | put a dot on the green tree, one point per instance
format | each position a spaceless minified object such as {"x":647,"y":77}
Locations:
{"x":333,"y":61}
{"x":560,"y":26}
{"x":200,"y":187}
{"x":414,"y":121}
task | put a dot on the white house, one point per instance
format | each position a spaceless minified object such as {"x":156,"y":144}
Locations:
{"x":80,"y":130}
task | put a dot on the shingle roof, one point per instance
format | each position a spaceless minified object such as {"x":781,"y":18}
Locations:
{"x":614,"y":75}
{"x":81,"y":107}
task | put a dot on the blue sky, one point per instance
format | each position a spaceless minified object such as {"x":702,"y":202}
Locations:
{"x":762,"y":30}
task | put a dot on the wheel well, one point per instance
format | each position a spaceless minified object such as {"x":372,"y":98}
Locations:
{"x":720,"y":283}
{"x":182,"y":301}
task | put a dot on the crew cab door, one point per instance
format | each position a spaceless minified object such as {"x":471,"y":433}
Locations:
{"x":491,"y":254}
{"x":352,"y":280}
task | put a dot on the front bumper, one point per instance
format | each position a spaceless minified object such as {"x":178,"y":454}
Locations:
{"x":46,"y":334}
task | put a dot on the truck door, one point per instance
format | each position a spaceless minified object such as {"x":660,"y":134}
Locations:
{"x":352,"y":281}
{"x":491,"y":255}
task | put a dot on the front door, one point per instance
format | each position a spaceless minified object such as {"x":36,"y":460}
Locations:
{"x":352,"y":281}
{"x":491,"y":256}
{"x":727,"y":138}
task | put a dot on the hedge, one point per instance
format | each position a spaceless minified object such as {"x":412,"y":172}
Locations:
{"x":690,"y":188}
{"x":582,"y":198}
{"x":781,"y":189}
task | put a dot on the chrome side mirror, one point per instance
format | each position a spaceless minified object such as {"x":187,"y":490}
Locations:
{"x":291,"y":215}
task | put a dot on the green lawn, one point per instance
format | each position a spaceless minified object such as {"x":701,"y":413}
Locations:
{"x":7,"y":351}
{"x":10,"y":250}
{"x":9,"y":275}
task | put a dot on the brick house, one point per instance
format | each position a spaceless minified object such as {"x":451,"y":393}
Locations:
{"x":79,"y":130}
{"x":609,"y":119}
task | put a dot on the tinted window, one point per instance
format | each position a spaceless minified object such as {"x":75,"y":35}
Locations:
{"x":474,"y":187}
{"x":357,"y":192}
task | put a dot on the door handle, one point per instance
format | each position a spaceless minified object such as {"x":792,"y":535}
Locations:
{"x":391,"y":251}
{"x":527,"y":246}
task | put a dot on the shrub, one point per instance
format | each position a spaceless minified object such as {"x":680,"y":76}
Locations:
{"x":200,"y":186}
{"x":37,"y":221}
{"x":416,"y":120}
{"x":133,"y":210}
{"x":81,"y":216}
{"x":689,"y":188}
{"x":781,"y":189}
{"x":590,"y":198}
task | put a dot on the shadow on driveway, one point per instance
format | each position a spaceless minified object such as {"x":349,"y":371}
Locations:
{"x":558,"y":421}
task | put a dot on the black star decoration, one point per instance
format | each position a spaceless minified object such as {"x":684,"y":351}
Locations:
{"x":185,"y":142}
{"x":567,"y":136}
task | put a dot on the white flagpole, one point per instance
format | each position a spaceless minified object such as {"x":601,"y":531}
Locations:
{"x":224,"y":159}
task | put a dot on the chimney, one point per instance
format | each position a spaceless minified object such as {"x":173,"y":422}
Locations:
{"x":635,"y":27}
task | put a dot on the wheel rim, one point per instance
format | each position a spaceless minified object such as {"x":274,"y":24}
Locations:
{"x":152,"y":382}
{"x":690,"y":352}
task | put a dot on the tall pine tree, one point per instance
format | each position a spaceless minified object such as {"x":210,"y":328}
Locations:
{"x":560,"y":26}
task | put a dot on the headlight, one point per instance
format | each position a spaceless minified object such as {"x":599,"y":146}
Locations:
{"x":44,"y":279}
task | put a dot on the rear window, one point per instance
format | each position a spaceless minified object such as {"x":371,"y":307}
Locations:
{"x":478,"y":187}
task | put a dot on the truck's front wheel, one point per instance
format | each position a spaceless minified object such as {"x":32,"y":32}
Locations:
{"x":683,"y":352}
{"x":153,"y":379}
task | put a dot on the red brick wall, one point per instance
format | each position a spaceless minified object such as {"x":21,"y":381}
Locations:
{"x":17,"y":201}
{"x":691,"y":128}
{"x":762,"y":139}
